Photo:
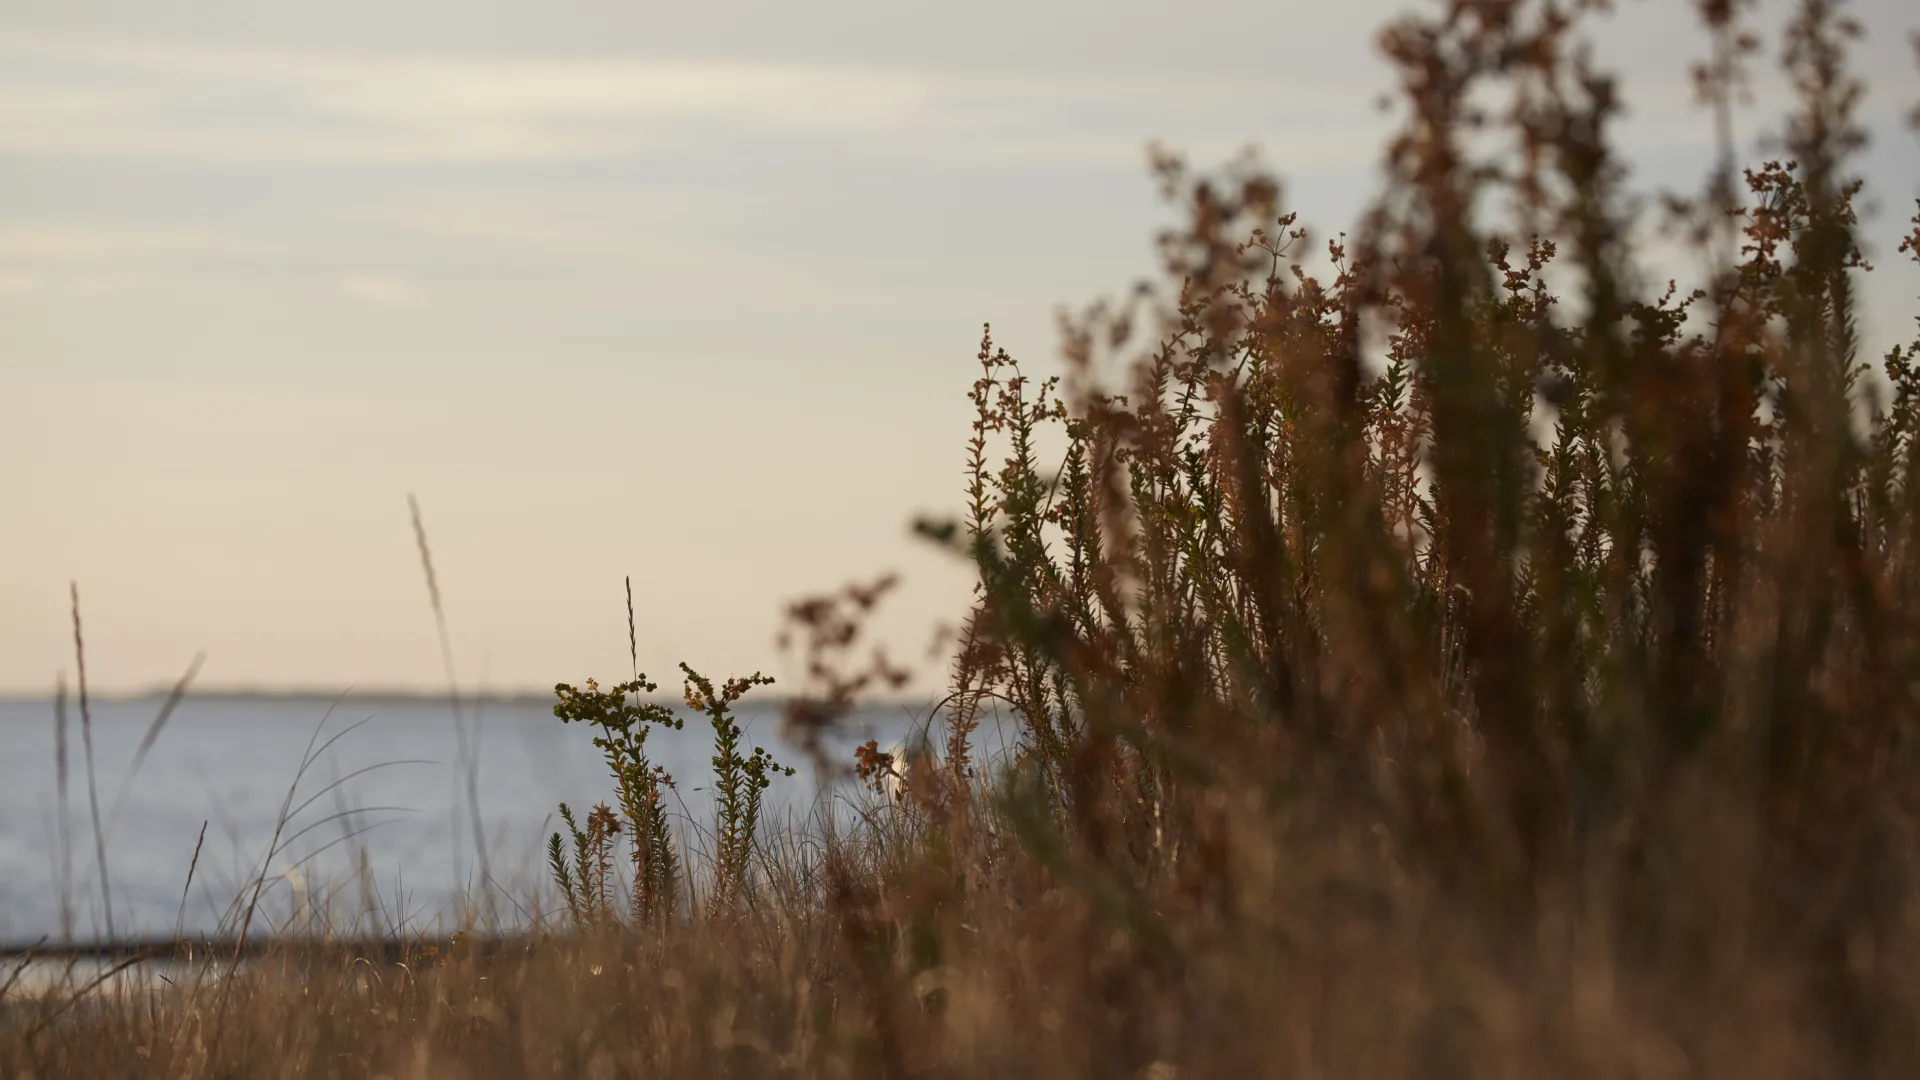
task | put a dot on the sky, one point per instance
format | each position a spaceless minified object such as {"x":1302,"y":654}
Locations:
{"x":686,"y":293}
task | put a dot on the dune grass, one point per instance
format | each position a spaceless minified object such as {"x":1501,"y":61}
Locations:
{"x":1466,"y":661}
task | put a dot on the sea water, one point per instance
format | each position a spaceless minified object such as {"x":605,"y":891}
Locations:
{"x":390,"y":848}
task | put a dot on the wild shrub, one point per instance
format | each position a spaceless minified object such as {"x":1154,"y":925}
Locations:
{"x":639,"y":786}
{"x":739,"y":779}
{"x":1606,"y":605}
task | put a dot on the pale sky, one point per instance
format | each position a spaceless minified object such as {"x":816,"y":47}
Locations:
{"x":687,"y":292}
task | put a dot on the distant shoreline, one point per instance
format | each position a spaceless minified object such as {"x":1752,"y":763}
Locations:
{"x":375,"y":696}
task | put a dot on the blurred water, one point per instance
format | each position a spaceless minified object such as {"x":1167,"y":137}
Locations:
{"x":229,"y":762}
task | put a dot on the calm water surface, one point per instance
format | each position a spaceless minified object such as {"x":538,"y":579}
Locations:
{"x":229,"y":763}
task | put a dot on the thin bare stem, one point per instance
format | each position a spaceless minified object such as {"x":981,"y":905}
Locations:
{"x":469,"y":757}
{"x":86,"y":740}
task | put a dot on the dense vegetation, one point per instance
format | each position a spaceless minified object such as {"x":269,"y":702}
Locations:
{"x":1471,"y":659}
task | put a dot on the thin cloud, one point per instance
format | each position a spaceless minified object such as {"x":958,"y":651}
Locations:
{"x":382,"y":290}
{"x":83,"y":260}
{"x":73,"y":242}
{"x":72,"y":96}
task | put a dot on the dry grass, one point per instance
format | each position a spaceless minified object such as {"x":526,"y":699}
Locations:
{"x":1418,"y":676}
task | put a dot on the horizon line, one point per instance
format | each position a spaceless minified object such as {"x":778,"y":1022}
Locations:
{"x":160,"y":692}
